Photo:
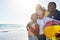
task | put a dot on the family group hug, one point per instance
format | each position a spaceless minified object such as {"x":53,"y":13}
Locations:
{"x":39,"y":21}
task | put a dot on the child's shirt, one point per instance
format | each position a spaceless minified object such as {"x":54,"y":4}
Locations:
{"x":31,"y":28}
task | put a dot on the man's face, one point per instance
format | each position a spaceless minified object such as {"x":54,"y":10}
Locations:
{"x":51,"y":7}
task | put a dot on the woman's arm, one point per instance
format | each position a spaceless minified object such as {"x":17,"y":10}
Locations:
{"x":37,"y":29}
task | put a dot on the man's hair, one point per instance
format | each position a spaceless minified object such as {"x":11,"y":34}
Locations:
{"x":52,"y":3}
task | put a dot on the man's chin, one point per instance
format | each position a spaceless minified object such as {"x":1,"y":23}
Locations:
{"x":51,"y":11}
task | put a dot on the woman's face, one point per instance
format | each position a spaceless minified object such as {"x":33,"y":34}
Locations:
{"x":39,"y":11}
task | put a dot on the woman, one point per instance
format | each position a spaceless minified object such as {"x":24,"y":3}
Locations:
{"x":41,"y":21}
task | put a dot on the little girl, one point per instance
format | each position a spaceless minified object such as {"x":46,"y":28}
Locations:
{"x":32,"y":28}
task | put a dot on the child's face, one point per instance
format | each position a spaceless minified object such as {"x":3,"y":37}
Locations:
{"x":34,"y":17}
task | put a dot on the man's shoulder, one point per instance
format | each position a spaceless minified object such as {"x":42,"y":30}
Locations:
{"x":58,"y":12}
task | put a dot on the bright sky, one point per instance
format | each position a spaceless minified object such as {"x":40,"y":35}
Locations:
{"x":19,"y":11}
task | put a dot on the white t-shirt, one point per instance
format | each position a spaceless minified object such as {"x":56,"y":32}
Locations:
{"x":41,"y":23}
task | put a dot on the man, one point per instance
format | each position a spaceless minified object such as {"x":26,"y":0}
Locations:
{"x":53,"y":12}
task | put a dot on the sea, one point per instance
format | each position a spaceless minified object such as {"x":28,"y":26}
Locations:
{"x":13,"y":32}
